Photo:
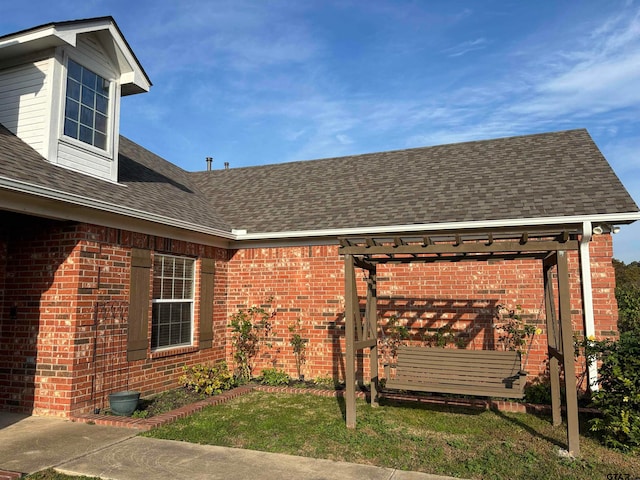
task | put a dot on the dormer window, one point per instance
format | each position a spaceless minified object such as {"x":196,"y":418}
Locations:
{"x":87,"y":106}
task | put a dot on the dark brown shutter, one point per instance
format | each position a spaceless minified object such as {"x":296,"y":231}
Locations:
{"x":138,"y":329}
{"x":207,"y":272}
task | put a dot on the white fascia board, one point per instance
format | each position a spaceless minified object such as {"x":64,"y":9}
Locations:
{"x":37,"y":40}
{"x":578,"y":220}
{"x":92,"y":203}
{"x":131,"y":70}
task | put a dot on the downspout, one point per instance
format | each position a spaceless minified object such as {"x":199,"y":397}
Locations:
{"x":587,"y":299}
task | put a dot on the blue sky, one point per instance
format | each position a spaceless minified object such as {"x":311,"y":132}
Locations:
{"x":254,"y":82}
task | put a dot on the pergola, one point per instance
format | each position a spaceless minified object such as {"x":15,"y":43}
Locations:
{"x":549,"y":245}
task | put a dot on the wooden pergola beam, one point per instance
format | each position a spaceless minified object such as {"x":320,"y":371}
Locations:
{"x":372,"y":248}
{"x":455,"y":258}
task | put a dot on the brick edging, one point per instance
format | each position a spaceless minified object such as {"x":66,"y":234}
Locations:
{"x":144,"y":424}
{"x":9,"y":475}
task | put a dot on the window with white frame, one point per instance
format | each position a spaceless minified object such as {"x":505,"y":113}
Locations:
{"x":86,"y":111}
{"x":173,"y":299}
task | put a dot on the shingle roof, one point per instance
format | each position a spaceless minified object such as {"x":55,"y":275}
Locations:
{"x":147,"y":182}
{"x":544,"y":175}
{"x":536,"y":176}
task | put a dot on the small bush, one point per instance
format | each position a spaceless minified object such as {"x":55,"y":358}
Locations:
{"x":209,"y":379}
{"x":274,"y":377}
{"x":619,"y":396}
{"x":628,"y":298}
{"x":538,"y":393}
{"x":299,"y":345}
{"x":249,"y":330}
{"x":326,"y":381}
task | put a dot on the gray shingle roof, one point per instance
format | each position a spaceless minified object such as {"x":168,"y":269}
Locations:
{"x":544,"y":175}
{"x":147,"y":182}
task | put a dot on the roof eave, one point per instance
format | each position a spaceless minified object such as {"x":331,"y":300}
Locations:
{"x":133,"y":77}
{"x":577,"y":220}
{"x":81,"y":202}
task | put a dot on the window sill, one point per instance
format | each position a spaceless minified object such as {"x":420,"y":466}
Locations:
{"x":170,"y":352}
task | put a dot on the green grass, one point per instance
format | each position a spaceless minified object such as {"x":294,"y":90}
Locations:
{"x":441,"y":440}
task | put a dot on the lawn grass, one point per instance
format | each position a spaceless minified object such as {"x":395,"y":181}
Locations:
{"x":441,"y":440}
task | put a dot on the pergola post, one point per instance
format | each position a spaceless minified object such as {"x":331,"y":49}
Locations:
{"x":566,"y":332}
{"x":349,"y":320}
{"x":372,"y":319}
{"x":552,"y":340}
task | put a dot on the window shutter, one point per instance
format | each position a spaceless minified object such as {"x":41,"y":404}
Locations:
{"x":138,"y":328}
{"x":207,"y":272}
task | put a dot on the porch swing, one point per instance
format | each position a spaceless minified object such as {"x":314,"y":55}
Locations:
{"x":482,"y":373}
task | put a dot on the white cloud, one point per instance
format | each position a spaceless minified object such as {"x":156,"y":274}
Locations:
{"x":466,"y":47}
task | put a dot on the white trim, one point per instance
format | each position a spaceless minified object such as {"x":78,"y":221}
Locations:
{"x":172,"y":300}
{"x":67,"y":34}
{"x":587,"y":299}
{"x":512,"y":222}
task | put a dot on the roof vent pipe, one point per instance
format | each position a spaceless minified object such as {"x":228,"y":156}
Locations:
{"x":209,"y":162}
{"x":226,"y":165}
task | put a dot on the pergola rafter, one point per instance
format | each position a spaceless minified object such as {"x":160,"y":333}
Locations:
{"x":549,"y":245}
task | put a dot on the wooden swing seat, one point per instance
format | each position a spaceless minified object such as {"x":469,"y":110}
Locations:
{"x":484,"y":373}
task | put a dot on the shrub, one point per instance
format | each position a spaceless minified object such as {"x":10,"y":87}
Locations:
{"x":325,"y":381}
{"x":209,"y":379}
{"x":619,"y":396}
{"x":538,"y":393}
{"x":274,"y":377}
{"x":628,"y":297}
{"x":249,"y":328}
{"x":299,"y":345}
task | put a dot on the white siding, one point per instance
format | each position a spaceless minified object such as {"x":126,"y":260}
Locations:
{"x":84,"y":161}
{"x":25,"y":101}
{"x":89,"y":48}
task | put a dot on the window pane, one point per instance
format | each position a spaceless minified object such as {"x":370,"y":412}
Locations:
{"x":89,"y":79}
{"x":101,"y":123}
{"x":100,"y":140}
{"x":74,"y":70}
{"x":73,"y":110}
{"x":102,"y":104}
{"x":73,"y":89}
{"x":88,"y":97}
{"x":70,"y":128}
{"x":86,"y":116}
{"x":86,"y":135}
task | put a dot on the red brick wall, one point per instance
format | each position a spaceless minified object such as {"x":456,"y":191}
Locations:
{"x":308,"y":283}
{"x":52,"y":274}
{"x":55,"y":274}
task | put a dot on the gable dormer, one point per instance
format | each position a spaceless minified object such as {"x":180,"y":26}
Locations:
{"x":60,"y":90}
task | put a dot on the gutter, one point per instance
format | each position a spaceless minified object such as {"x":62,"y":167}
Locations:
{"x":609,"y":218}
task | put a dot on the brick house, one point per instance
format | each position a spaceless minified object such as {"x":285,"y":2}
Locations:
{"x":117,"y":267}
